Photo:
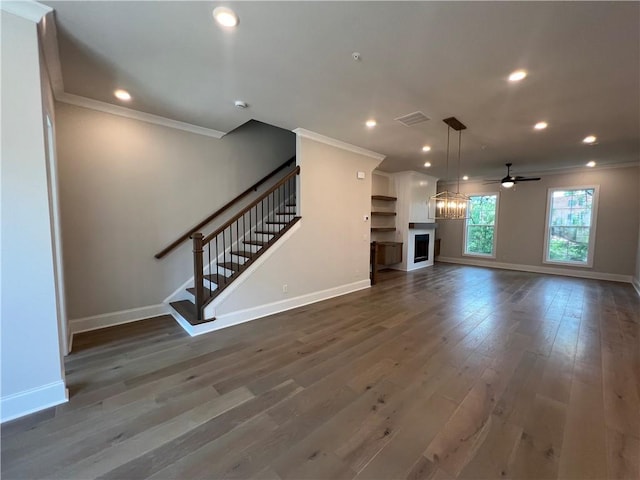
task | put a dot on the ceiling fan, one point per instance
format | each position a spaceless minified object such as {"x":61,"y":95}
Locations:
{"x":510,"y":180}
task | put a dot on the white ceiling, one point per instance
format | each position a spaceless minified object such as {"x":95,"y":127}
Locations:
{"x":292,"y":63}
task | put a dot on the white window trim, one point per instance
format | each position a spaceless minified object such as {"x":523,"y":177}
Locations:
{"x":592,"y":228}
{"x":495,"y":228}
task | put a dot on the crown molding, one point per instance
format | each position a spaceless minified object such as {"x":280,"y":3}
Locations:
{"x":337,"y":143}
{"x":27,"y":9}
{"x":553,"y":171}
{"x":136,"y":115}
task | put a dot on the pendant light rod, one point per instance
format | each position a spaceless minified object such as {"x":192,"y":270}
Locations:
{"x":449,"y":205}
{"x":459,"y":147}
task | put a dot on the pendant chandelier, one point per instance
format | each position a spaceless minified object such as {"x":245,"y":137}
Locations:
{"x":452,"y":205}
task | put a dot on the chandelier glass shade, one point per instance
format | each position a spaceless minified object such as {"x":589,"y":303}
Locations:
{"x":452,"y":205}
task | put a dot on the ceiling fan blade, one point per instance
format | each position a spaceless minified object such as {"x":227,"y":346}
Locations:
{"x":527,"y":179}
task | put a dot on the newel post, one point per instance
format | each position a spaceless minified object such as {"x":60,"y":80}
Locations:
{"x":198,"y":274}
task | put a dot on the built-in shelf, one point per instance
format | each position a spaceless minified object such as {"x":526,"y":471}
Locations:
{"x":384,"y":214}
{"x":383,"y":229}
{"x":384,"y":198}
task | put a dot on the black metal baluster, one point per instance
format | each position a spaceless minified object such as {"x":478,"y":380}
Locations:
{"x":224,"y":255}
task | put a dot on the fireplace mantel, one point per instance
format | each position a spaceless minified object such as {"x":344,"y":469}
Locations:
{"x":422,"y":226}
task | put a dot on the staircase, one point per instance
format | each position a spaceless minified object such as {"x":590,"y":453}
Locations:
{"x":222,"y":256}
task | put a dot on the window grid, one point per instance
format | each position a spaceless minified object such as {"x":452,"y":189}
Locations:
{"x":480,"y":226}
{"x":569,"y":226}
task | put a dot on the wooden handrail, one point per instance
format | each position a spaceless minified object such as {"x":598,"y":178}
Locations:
{"x":281,"y":182}
{"x":187,"y":235}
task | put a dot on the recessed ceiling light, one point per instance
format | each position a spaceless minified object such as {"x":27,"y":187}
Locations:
{"x":225,"y":16}
{"x":122,"y":95}
{"x":540,"y":125}
{"x":589,"y":139}
{"x":427,"y":164}
{"x":371,"y":123}
{"x":240,"y":104}
{"x":591,"y":164}
{"x":466,"y":177}
{"x":517,"y":75}
{"x":426,"y":148}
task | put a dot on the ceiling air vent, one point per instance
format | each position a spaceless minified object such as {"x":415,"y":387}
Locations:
{"x":412,"y":119}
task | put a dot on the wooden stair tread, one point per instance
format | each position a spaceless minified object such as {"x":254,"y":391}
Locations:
{"x":207,"y":293}
{"x":384,"y":214}
{"x":217,"y":279}
{"x":242,"y":253}
{"x":235,"y":266}
{"x":263,"y":232}
{"x":383,"y":198}
{"x":259,"y":243}
{"x":274,"y":222}
{"x":187,"y":310}
{"x":383,"y":229}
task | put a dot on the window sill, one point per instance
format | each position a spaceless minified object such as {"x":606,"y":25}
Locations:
{"x":479,"y":255}
{"x":569,"y":264}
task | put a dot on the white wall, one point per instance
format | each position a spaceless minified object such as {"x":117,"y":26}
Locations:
{"x":328,"y":254}
{"x":129,"y":188}
{"x":32,"y":374}
{"x":521,"y":222}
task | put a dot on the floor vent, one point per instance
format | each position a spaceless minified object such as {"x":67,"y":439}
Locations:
{"x":412,"y":119}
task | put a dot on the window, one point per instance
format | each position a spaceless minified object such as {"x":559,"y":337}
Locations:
{"x":570,"y":229}
{"x":480,"y":227}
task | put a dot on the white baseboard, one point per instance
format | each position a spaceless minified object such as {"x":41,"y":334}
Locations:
{"x":33,"y":400}
{"x":613,"y":277}
{"x":636,"y":284}
{"x":116,"y":318}
{"x":253,"y":313}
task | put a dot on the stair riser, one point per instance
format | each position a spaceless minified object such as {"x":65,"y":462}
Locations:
{"x":225,"y":271}
{"x":210,"y":285}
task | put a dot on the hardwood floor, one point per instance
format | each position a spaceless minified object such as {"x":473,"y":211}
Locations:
{"x":448,"y":372}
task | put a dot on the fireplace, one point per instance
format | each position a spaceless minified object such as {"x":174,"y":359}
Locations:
{"x":421,"y":250}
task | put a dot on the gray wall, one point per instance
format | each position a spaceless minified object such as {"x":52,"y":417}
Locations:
{"x":32,"y":376}
{"x":521,"y":220}
{"x":128,"y":188}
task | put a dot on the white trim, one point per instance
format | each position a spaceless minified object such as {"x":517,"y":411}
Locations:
{"x":495,"y":227}
{"x":136,"y":115}
{"x":636,"y":284}
{"x":253,"y":313}
{"x":592,"y":226}
{"x":27,"y":9}
{"x":337,"y":143}
{"x":555,"y":171}
{"x":612,"y":277}
{"x":51,"y":54}
{"x":95,"y":322}
{"x":33,"y":400}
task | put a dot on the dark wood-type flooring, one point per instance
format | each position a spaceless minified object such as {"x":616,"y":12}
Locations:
{"x":448,"y":372}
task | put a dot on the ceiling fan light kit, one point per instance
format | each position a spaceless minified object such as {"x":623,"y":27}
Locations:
{"x":509,"y":181}
{"x":452,"y":205}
